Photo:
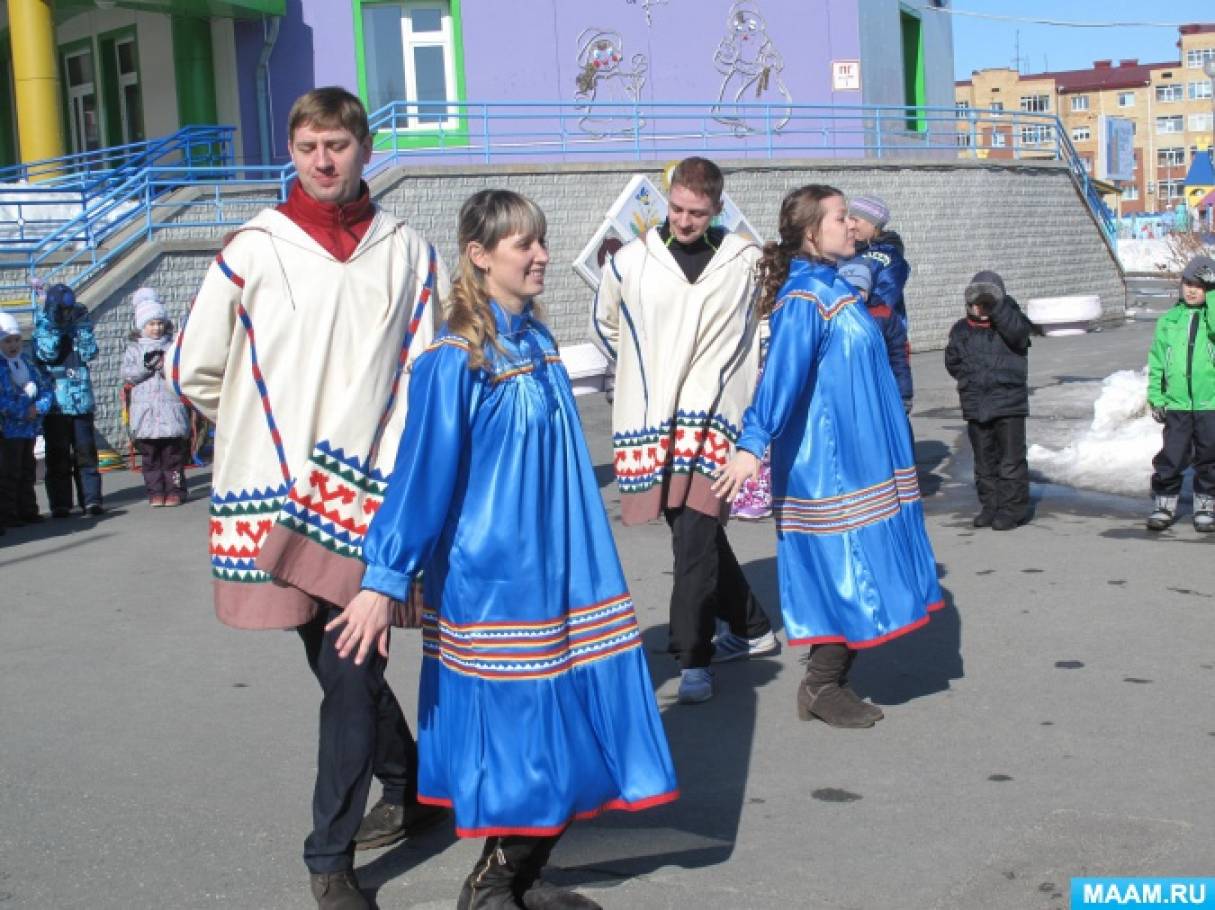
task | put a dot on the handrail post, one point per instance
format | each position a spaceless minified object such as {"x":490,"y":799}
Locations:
{"x":485,"y":129}
{"x":877,"y":128}
{"x":768,"y":127}
{"x":636,"y":130}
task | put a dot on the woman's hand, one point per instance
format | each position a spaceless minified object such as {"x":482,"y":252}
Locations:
{"x":366,"y":622}
{"x":742,"y":467}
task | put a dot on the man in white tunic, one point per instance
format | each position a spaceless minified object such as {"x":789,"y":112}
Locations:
{"x":298,"y":346}
{"x":675,"y":312}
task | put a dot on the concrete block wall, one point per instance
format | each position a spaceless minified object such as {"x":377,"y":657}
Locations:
{"x":177,"y":276}
{"x":1025,"y":221}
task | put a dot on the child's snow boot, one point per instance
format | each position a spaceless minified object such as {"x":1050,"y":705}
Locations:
{"x":1164,"y":514}
{"x":1204,"y":513}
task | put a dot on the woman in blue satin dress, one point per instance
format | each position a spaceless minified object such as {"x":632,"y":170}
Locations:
{"x":855,"y":564}
{"x":535,"y":705}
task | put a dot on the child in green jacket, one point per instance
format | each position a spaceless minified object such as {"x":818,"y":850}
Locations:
{"x":1181,"y":394}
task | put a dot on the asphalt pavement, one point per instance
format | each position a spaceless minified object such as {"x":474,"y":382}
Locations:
{"x":1054,"y":720}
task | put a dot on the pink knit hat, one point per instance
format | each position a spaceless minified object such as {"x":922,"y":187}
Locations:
{"x":147,"y":307}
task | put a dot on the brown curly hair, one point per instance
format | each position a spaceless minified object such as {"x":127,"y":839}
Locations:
{"x":487,"y":218}
{"x":801,"y":211}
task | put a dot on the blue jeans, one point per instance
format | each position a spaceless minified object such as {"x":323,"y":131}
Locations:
{"x":71,"y":460}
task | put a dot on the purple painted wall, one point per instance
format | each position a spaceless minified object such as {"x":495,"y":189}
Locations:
{"x":315,"y":46}
{"x":532,"y":52}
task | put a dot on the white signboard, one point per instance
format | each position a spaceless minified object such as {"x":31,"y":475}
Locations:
{"x":1115,"y":148}
{"x":845,"y":75}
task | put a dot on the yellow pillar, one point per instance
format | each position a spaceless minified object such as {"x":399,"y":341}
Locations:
{"x":36,"y":79}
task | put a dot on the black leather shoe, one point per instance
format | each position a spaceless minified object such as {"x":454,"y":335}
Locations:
{"x":338,"y":891}
{"x":387,"y":823}
{"x":1003,"y":522}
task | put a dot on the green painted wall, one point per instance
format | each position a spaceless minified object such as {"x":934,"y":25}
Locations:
{"x":195,"y":70}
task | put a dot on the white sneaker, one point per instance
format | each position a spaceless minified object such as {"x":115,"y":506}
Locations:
{"x":728,"y":646}
{"x":695,"y":686}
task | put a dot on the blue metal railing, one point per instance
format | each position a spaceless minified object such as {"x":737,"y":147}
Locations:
{"x":134,"y":200}
{"x":74,"y":190}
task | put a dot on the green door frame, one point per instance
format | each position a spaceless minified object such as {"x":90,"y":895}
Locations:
{"x":107,"y":66}
{"x":8,"y":112}
{"x":915,"y":93}
{"x":65,"y":50}
{"x":388,"y":140}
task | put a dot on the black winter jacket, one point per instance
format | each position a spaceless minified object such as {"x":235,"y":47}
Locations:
{"x":991,"y":363}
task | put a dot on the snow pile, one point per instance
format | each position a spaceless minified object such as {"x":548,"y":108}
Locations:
{"x":1145,"y":255}
{"x":42,"y":211}
{"x":1115,"y":453}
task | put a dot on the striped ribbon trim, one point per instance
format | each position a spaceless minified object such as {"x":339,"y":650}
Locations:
{"x":849,"y":511}
{"x":260,"y":381}
{"x":537,"y":650}
{"x":428,"y":289}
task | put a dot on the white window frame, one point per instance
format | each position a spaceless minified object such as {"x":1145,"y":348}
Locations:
{"x":1126,"y":99}
{"x":961,"y":109}
{"x":1175,"y":123}
{"x":1195,"y":57}
{"x":1082,"y":134}
{"x":1170,"y":92}
{"x":999,"y":139}
{"x":1199,"y":91}
{"x":1079,"y":102}
{"x":1200,"y":123}
{"x":1165,"y":188}
{"x":444,"y":38}
{"x":1130,"y":193}
{"x":1173,"y":156}
{"x":1030,"y":104}
{"x":1035,"y":134}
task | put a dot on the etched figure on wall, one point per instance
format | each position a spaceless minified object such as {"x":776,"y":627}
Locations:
{"x":752,"y":68}
{"x":606,"y":90}
{"x":648,"y":6}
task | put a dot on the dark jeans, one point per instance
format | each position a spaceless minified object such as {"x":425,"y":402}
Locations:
{"x":708,"y":584}
{"x":163,"y":463}
{"x":71,"y":460}
{"x":17,"y":465}
{"x":362,"y":732}
{"x":1001,"y":471}
{"x":1189,"y":439}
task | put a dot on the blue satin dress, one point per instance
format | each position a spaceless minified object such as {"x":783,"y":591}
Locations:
{"x":855,"y":563}
{"x":535,"y":704}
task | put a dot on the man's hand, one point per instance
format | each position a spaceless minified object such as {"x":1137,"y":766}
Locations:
{"x":729,"y":480}
{"x":366,"y":622}
{"x":1158,"y":414}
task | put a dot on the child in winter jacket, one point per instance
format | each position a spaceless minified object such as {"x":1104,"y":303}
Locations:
{"x":988,"y":355}
{"x":160,"y":423}
{"x":1181,"y":394}
{"x":858,"y":274}
{"x":25,"y":395}
{"x":64,"y":344}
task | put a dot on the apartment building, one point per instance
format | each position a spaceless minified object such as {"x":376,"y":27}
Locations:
{"x":1169,"y":103}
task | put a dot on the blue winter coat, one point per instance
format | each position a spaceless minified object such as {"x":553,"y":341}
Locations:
{"x":15,"y":403}
{"x":890,"y":271}
{"x":65,"y":353}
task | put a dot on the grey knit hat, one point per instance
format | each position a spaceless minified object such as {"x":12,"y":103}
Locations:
{"x":1200,"y":270}
{"x":871,"y":208}
{"x":985,"y":286}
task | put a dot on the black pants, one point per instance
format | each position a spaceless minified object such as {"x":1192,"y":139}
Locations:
{"x":362,"y":732}
{"x":1189,"y":439}
{"x":1001,"y":471}
{"x":163,"y":463}
{"x":708,"y":584}
{"x":71,"y":460}
{"x":17,"y":465}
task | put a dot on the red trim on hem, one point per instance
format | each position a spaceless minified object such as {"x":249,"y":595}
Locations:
{"x":868,"y":643}
{"x":619,"y":805}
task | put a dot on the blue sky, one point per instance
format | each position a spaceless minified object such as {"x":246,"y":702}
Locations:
{"x":980,"y":43}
